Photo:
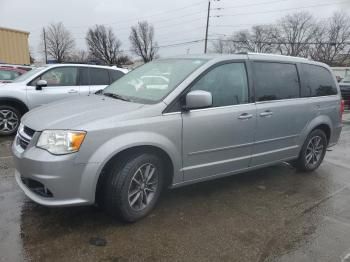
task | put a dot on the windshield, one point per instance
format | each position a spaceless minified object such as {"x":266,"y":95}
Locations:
{"x":27,"y":75}
{"x":153,"y":81}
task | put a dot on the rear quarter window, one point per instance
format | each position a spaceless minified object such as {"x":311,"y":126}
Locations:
{"x":317,"y":81}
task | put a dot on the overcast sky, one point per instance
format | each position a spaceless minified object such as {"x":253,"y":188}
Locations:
{"x":174,"y":21}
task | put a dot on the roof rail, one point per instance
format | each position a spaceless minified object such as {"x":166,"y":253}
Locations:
{"x":277,"y":55}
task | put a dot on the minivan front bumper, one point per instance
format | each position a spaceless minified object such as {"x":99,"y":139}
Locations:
{"x":53,"y":180}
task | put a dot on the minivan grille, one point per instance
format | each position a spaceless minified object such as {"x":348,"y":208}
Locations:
{"x":24,"y":135}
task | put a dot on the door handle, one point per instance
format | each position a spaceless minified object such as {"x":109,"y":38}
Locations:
{"x":266,"y":114}
{"x":72,"y":91}
{"x":245,"y":116}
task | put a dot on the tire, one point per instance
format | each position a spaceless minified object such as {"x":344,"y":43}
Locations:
{"x":9,"y":120}
{"x":316,"y":141}
{"x":123,"y":180}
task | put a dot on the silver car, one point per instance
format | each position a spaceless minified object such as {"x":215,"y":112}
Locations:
{"x":218,"y":116}
{"x":49,"y":83}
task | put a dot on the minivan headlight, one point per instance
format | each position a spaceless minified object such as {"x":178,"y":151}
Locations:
{"x":61,"y":142}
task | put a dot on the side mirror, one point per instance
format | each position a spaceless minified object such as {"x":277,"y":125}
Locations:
{"x":40,"y":84}
{"x":198,"y":99}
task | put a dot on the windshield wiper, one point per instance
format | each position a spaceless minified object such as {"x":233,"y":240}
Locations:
{"x":117,"y":96}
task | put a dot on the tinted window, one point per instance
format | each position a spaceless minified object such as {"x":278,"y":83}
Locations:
{"x":99,"y":76}
{"x":59,"y":76}
{"x":227,"y":83}
{"x":318,"y":81}
{"x":275,"y":81}
{"x":115,"y":75}
{"x":84,"y":76}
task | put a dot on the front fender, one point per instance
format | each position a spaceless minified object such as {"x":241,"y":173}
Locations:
{"x":120,"y":143}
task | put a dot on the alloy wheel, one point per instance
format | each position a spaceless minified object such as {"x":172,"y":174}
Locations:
{"x":143,"y":186}
{"x":314,"y":151}
{"x":8,"y":121}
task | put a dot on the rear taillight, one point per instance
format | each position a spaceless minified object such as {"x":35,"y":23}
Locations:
{"x":342,"y":107}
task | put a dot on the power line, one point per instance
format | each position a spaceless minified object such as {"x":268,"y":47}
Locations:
{"x":146,"y":17}
{"x":155,"y":27}
{"x":279,"y":42}
{"x":253,"y":4}
{"x":286,"y":9}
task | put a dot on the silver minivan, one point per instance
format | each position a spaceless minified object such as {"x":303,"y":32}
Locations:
{"x":212,"y":117}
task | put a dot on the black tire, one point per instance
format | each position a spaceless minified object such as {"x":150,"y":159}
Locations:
{"x":119,"y":185}
{"x":5,"y":112}
{"x":302,"y":163}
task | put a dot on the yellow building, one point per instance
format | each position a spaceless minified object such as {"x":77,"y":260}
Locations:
{"x":14,"y":48}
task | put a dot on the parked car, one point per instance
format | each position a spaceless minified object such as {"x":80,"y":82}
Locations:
{"x":22,"y":67}
{"x":8,"y":74}
{"x":345,"y":90}
{"x":218,"y":116}
{"x":49,"y":83}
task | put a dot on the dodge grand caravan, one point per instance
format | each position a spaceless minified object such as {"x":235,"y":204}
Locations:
{"x":217,"y":116}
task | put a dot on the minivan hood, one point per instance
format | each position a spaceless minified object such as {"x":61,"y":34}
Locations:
{"x":71,"y":113}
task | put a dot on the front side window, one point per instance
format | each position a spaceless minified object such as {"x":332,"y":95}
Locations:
{"x":59,"y":76}
{"x":99,"y":76}
{"x":227,"y":84}
{"x":318,"y":81}
{"x":153,"y":81}
{"x":275,"y":81}
{"x":27,"y":76}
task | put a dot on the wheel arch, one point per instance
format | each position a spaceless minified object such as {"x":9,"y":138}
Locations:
{"x":123,"y":156}
{"x":17,"y":103}
{"x":127,"y":143}
{"x":322,"y":122}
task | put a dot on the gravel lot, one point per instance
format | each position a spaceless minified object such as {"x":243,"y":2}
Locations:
{"x":273,"y":214}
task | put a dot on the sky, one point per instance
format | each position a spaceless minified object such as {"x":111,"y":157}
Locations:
{"x":174,"y":22}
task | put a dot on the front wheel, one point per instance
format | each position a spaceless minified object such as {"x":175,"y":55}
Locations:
{"x":9,"y":120}
{"x":133,"y":188}
{"x":313,"y":151}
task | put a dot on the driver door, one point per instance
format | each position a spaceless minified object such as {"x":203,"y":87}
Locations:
{"x":219,"y":140}
{"x":61,"y":83}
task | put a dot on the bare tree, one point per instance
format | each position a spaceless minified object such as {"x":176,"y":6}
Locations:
{"x":59,"y":42}
{"x":142,"y":41}
{"x":259,"y":39}
{"x":103,"y":44}
{"x":332,"y":40}
{"x":224,"y":45}
{"x":79,"y":56}
{"x":294,"y":34}
{"x":218,"y":46}
{"x":124,"y":60}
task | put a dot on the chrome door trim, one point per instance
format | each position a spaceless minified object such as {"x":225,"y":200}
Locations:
{"x":238,"y":158}
{"x":241,"y":145}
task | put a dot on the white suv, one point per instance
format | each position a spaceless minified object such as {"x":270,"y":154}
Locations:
{"x":49,"y":83}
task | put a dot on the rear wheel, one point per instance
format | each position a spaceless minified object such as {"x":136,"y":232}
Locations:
{"x":313,"y":151}
{"x":133,"y":188}
{"x":9,"y":120}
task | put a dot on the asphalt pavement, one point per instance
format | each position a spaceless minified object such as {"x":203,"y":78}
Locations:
{"x":272,"y":214}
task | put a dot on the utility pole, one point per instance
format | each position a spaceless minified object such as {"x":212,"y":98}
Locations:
{"x":44,"y":34}
{"x":206,"y":30}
